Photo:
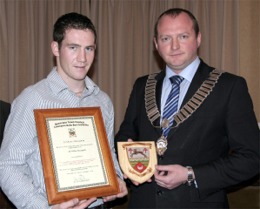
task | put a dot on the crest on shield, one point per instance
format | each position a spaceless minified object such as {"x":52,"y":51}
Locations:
{"x":137,"y":159}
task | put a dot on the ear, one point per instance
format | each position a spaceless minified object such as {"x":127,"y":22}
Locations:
{"x":155,"y":43}
{"x":55,"y":48}
{"x":199,"y":39}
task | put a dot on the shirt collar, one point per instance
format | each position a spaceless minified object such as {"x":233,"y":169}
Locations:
{"x":58,"y":85}
{"x":187,"y":73}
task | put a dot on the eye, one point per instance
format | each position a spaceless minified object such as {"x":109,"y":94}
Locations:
{"x":73,"y":48}
{"x":90,"y":49}
{"x":165,"y":38}
{"x":183,"y":37}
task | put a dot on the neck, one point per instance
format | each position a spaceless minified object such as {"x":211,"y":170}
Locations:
{"x":78,"y":90}
{"x":76,"y":86}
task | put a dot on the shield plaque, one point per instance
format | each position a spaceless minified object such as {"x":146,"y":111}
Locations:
{"x":137,"y":159}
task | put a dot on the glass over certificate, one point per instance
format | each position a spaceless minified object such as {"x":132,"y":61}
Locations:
{"x":75,"y":154}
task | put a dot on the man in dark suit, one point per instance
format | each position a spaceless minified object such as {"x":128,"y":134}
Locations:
{"x":209,"y":143}
{"x":4,"y":113}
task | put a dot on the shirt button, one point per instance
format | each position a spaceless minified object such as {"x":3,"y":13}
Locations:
{"x":159,"y":192}
{"x":161,"y":157}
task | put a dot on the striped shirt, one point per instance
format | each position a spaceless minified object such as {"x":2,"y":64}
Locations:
{"x":21,"y":175}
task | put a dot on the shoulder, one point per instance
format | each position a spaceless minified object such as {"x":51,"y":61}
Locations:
{"x":142,"y":80}
{"x":31,"y":97}
{"x":104,"y":97}
{"x":22,"y":107}
{"x":5,"y":111}
{"x":225,"y":78}
{"x":5,"y":106}
{"x":233,"y":81}
{"x":231,"y":76}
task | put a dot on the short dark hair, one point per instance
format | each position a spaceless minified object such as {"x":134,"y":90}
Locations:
{"x":175,"y":12}
{"x":71,"y":20}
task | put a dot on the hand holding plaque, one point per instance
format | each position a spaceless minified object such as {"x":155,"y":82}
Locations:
{"x":137,"y":159}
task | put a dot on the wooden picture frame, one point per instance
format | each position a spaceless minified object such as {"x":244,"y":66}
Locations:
{"x":75,"y":154}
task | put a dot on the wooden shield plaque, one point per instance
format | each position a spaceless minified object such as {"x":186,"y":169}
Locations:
{"x":137,"y":159}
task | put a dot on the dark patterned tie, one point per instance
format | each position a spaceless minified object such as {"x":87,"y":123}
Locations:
{"x":171,"y":104}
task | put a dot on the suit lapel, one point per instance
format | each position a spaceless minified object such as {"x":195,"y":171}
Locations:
{"x":199,"y":77}
{"x":159,"y":79}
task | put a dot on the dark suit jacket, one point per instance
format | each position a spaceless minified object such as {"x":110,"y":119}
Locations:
{"x":4,"y":112}
{"x":220,"y":141}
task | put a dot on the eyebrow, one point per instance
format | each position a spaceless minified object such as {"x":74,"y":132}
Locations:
{"x":74,"y":44}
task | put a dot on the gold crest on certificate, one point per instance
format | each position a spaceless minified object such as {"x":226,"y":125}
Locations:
{"x":137,"y":159}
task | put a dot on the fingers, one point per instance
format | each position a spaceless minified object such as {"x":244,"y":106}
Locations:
{"x":134,"y":182}
{"x":85,"y":203}
{"x":163,"y":167}
{"x":123,"y":188}
{"x":122,"y":193}
{"x":75,"y":204}
{"x":67,"y":204}
{"x":125,"y":176}
{"x":109,"y":198}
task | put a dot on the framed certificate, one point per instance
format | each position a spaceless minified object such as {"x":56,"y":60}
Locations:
{"x":75,"y":154}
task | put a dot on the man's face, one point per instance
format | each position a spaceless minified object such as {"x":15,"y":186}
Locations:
{"x":76,"y":54}
{"x":177,"y":43}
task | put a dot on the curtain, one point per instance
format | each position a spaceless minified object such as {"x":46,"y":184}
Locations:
{"x":125,"y":49}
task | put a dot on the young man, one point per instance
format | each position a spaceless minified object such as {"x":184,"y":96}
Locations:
{"x":209,"y":142}
{"x":67,"y":85}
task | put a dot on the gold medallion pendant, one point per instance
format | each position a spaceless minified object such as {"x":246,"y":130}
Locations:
{"x":165,"y":123}
{"x":161,"y":145}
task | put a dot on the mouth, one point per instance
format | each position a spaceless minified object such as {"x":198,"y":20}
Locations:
{"x":80,"y":67}
{"x":176,"y":54}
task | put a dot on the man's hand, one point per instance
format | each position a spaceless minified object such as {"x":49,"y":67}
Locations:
{"x":75,"y":204}
{"x":170,"y":176}
{"x":122,"y":193}
{"x":135,"y":182}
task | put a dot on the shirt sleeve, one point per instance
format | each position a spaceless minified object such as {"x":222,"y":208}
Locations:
{"x":109,"y":123}
{"x":20,"y":158}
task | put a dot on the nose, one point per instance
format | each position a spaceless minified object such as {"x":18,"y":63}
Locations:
{"x":82,"y":56}
{"x":175,"y":43}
